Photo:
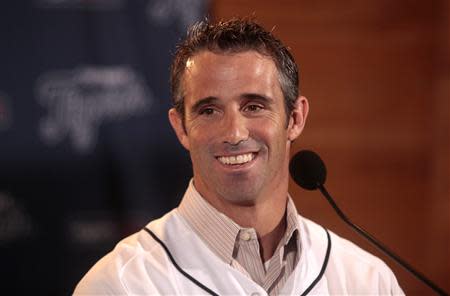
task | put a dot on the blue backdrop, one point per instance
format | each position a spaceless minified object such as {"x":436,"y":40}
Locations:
{"x":87,"y":155}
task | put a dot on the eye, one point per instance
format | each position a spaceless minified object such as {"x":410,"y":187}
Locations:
{"x":207,"y":111}
{"x":253,"y":108}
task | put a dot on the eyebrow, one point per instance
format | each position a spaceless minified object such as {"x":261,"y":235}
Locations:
{"x":255,"y":96}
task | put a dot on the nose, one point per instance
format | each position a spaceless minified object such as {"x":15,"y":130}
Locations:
{"x":235,"y":128}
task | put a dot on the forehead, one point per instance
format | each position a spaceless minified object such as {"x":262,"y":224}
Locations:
{"x":227,"y":73}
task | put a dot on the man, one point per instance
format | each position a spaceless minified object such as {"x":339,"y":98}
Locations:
{"x":237,"y":109}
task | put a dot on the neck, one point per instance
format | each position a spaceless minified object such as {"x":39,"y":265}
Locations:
{"x":264,"y":212}
{"x":267,"y":217}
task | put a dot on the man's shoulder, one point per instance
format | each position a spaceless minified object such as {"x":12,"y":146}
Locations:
{"x":130,"y":254}
{"x":339,"y":246}
{"x":349,"y":266}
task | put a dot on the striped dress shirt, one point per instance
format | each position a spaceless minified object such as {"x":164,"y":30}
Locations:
{"x":239,"y":246}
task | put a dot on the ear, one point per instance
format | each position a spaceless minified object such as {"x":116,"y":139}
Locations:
{"x":177,"y":124}
{"x":297,"y":119}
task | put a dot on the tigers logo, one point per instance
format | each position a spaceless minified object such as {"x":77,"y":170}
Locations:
{"x":78,"y":101}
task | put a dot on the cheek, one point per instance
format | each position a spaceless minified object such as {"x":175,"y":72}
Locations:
{"x":272,"y":130}
{"x":196,"y":131}
{"x":199,"y":141}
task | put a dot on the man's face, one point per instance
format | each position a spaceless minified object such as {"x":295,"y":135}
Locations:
{"x":235,"y":126}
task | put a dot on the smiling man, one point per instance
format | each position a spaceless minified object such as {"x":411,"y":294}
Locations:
{"x":237,"y":110}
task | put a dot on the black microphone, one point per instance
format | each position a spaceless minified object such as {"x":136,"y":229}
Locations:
{"x":309,"y":172}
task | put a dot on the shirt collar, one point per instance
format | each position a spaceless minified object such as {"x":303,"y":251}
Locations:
{"x":220,"y":232}
{"x":293,"y":223}
{"x":217,"y":230}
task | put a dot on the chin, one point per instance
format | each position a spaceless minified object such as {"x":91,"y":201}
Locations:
{"x":242,"y":195}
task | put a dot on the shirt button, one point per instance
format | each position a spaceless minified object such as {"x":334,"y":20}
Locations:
{"x":245,"y":235}
{"x":255,"y":294}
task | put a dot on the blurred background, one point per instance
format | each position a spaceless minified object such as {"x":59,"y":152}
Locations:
{"x":87,"y":155}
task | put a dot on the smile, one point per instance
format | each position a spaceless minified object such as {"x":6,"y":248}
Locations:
{"x":236,"y":159}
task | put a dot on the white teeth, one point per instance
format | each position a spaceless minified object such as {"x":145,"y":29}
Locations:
{"x":236,"y":159}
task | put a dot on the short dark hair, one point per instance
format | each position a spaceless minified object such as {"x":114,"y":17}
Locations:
{"x":233,"y":36}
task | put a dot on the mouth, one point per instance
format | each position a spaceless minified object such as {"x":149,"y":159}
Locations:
{"x":237,"y":160}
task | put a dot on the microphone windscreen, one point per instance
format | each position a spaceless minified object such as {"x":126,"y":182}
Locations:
{"x":308,"y":170}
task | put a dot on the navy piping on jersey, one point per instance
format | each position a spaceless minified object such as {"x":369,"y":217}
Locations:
{"x":324,"y":266}
{"x":211,"y":292}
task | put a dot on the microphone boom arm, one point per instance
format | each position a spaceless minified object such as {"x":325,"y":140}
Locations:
{"x":379,"y":245}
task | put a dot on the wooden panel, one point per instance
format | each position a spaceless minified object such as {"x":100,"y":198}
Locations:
{"x":377,"y":76}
